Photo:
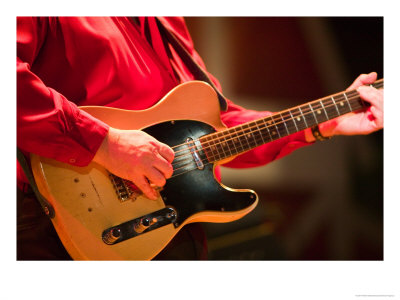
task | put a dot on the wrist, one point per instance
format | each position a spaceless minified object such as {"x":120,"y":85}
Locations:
{"x":102,"y":151}
{"x":317,"y":134}
{"x":320,"y":132}
{"x":327,"y":129}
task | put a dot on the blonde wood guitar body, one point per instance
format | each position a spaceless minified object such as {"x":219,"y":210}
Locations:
{"x":86,"y":201}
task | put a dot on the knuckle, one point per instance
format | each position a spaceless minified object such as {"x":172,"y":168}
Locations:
{"x":160,"y":181}
{"x":170,"y":171}
{"x":142,"y":186}
{"x":166,"y":149}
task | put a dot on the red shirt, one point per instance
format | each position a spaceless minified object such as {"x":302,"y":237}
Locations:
{"x":63,"y":63}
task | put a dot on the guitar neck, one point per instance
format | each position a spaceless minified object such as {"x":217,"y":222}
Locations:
{"x":239,"y":139}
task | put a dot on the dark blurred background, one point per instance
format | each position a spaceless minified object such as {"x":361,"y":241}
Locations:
{"x":323,"y":202}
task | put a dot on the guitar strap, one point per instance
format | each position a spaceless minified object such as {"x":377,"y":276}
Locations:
{"x":192,"y":65}
{"x":47,"y":207}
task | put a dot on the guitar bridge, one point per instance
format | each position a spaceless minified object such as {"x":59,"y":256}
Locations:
{"x":124,"y":189}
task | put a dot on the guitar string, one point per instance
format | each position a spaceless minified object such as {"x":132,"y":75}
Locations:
{"x":351,"y":95}
{"x":188,"y":151}
{"x":342,"y":96}
{"x":269,"y":117}
{"x":189,"y":159}
{"x":356,"y":97}
{"x":257,"y":140}
{"x":188,"y":155}
{"x":255,"y":124}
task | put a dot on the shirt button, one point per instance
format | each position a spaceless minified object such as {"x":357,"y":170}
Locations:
{"x":72,"y":160}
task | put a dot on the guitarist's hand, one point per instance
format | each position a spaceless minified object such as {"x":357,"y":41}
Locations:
{"x":136,"y":156}
{"x":362,"y":122}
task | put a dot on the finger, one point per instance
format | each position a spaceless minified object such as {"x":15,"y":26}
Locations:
{"x":371,"y":95}
{"x":166,"y":152}
{"x":155,"y":177}
{"x":378,"y":115}
{"x":163,"y":166}
{"x":143,"y":184}
{"x":362,"y":80}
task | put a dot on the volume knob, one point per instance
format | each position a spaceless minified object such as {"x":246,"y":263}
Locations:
{"x":143,"y":224}
{"x":112,"y":236}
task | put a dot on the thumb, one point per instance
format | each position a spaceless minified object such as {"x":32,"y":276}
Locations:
{"x":362,"y":80}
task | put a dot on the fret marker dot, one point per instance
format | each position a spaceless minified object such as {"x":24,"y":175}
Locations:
{"x":273,"y":132}
{"x":298,"y":119}
{"x":341,"y":103}
{"x":319,"y":111}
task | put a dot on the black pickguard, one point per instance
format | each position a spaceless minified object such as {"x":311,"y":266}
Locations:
{"x":195,"y":190}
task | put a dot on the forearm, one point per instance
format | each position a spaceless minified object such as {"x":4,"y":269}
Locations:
{"x":50,"y":125}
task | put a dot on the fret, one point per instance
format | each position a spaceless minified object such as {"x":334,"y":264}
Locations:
{"x":248,"y":134}
{"x":293,"y":120}
{"x":237,"y":139}
{"x":312,"y":110}
{"x":278,"y":125}
{"x":260,"y":132}
{"x":220,"y":146}
{"x":284,"y":123}
{"x":267,"y":127}
{"x":230,"y":143}
{"x":356,"y":103}
{"x":300,"y":121}
{"x":227,"y":144}
{"x":209,"y":148}
{"x":347,"y":100}
{"x":287,"y":117}
{"x":341,"y":105}
{"x":216,"y":147}
{"x":281,"y":126}
{"x":305,"y":121}
{"x":334,"y":104}
{"x":255,"y":134}
{"x":271,"y":131}
{"x":319,"y":111}
{"x":323,"y":107}
{"x":274,"y":132}
{"x":244,"y":136}
{"x":266,"y":136}
{"x":330,"y":108}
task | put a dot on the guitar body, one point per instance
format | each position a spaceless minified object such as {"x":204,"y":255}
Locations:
{"x":86,"y":203}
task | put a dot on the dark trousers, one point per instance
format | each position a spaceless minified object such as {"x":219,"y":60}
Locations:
{"x":38,"y":240}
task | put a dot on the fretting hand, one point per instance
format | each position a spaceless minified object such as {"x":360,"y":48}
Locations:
{"x":361,"y":122}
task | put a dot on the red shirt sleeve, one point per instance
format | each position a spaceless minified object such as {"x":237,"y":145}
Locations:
{"x":236,"y":114}
{"x":47,"y":123}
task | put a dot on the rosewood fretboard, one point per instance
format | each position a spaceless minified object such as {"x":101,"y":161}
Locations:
{"x":233,"y":141}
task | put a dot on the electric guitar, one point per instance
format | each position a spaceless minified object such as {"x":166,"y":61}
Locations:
{"x":99,"y":216}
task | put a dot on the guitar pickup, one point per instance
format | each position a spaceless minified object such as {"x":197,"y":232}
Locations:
{"x":195,"y":153}
{"x":138,"y":226}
